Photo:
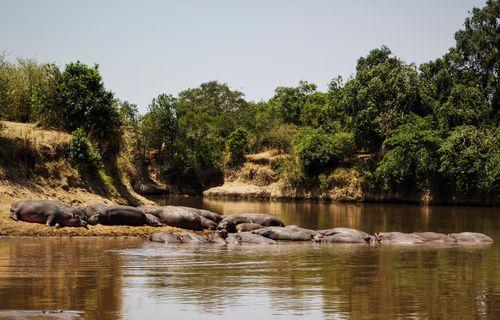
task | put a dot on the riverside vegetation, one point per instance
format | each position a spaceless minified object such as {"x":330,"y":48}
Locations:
{"x":392,"y":131}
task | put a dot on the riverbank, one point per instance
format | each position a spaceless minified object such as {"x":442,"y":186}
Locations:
{"x":33,"y":165}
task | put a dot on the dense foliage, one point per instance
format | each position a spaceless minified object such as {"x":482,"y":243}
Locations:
{"x":429,"y":129}
{"x":83,"y":154}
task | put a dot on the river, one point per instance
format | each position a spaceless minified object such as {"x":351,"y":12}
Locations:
{"x":94,"y":278}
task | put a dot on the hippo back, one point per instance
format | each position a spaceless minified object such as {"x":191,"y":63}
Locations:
{"x":178,"y":217}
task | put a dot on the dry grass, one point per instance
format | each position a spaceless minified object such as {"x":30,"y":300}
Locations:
{"x":47,"y":175}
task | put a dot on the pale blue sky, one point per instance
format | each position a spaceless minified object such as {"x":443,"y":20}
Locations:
{"x":145,"y":48}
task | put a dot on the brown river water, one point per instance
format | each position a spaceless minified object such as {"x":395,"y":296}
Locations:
{"x":133,"y":279}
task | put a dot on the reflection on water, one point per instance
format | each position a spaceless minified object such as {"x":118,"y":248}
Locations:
{"x":131,"y":279}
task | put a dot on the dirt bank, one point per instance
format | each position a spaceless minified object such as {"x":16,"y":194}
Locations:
{"x":34,"y":165}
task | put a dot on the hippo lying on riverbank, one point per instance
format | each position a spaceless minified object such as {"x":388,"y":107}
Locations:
{"x":230,"y":222}
{"x":245,"y":227}
{"x":176,"y":217}
{"x":114,"y":215}
{"x":50,"y":213}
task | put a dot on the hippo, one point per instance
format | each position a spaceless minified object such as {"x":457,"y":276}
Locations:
{"x":349,"y":231}
{"x":399,"y":238}
{"x":153,"y":220}
{"x":119,"y":215}
{"x":93,"y":208}
{"x":205,"y":213}
{"x":191,"y":237}
{"x":434,"y":237}
{"x":342,"y":238}
{"x":291,"y":233}
{"x":217,"y":238}
{"x":165,"y":237}
{"x":230,"y":222}
{"x":244,"y":227}
{"x":470,"y":237}
{"x":48,"y":212}
{"x":149,"y":209}
{"x":207,"y":223}
{"x":263,"y":219}
{"x":248,"y":238}
{"x":177,"y":217}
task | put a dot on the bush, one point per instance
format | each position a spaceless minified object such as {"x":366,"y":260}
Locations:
{"x":411,"y":159}
{"x":317,"y":150}
{"x":83,"y":154}
{"x":237,"y":144}
{"x":470,"y":160}
{"x":85,"y":103}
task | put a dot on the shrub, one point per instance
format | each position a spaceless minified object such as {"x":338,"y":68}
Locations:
{"x":83,"y":154}
{"x":237,"y":144}
{"x":317,"y":150}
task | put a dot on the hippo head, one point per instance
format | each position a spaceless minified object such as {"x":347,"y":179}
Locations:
{"x":222,"y":233}
{"x":93,"y":220}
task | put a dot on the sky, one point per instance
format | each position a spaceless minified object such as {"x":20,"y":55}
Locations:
{"x":145,"y":48}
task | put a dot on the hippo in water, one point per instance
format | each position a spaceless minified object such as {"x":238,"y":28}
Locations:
{"x":399,"y":238}
{"x":192,"y":238}
{"x":165,"y":237}
{"x":248,"y":238}
{"x":291,"y":233}
{"x":50,"y":213}
{"x":471,"y":237}
{"x":119,"y":215}
{"x":244,"y":227}
{"x":348,"y":231}
{"x":342,"y":238}
{"x":434,"y":237}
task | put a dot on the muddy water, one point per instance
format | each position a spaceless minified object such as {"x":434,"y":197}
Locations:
{"x":132,"y":279}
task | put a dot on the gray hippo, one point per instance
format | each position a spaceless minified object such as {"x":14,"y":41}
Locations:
{"x":93,"y":208}
{"x":230,"y":222}
{"x":153,"y":220}
{"x":349,"y":231}
{"x":177,"y":217}
{"x":191,"y":237}
{"x":291,"y":233}
{"x":434,"y":237}
{"x":471,"y":237}
{"x":263,"y":219}
{"x":342,"y":238}
{"x":399,"y":238}
{"x":205,"y":213}
{"x":50,"y":213}
{"x":207,"y":223}
{"x":217,"y":238}
{"x":165,"y":237}
{"x":248,"y":238}
{"x":119,"y":215}
{"x":244,"y":227}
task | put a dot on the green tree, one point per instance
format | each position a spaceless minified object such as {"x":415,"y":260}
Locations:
{"x":290,"y":101}
{"x":377,"y":100}
{"x":470,"y":160}
{"x":317,"y":150}
{"x":237,"y":144}
{"x":83,"y":154}
{"x":411,"y":160}
{"x":85,"y":103}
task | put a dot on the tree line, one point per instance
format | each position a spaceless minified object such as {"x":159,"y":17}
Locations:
{"x":431,"y":128}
